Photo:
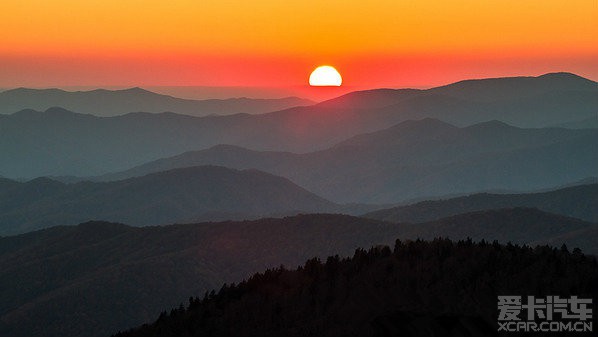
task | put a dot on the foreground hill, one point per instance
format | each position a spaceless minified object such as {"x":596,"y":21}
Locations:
{"x":415,"y":159}
{"x":106,"y":103}
{"x":418,"y":289}
{"x":97,"y":278}
{"x":578,"y":201}
{"x":58,"y":142}
{"x":189,"y":194}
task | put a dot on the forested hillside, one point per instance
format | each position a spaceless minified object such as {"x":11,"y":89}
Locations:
{"x":437,"y":288}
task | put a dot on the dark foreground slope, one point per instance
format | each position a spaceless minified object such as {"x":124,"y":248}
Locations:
{"x":182,"y":195}
{"x":578,"y":201}
{"x":437,"y":288}
{"x":97,"y":278}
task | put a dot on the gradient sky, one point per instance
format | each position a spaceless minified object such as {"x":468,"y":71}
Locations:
{"x":277,"y":43}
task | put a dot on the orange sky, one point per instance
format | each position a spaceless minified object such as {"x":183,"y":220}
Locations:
{"x":277,"y":43}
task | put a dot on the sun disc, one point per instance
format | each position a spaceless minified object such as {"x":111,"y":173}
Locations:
{"x":325,"y":76}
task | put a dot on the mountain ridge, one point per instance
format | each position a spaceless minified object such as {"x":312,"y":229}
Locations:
{"x":416,"y":159}
{"x":105,"y":102}
{"x":195,"y":258}
{"x":88,"y":147}
{"x":576,"y":201}
{"x":184,"y":194}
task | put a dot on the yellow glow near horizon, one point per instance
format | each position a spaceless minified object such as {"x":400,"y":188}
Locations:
{"x":58,"y":36}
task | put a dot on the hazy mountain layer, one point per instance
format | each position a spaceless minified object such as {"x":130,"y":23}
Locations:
{"x":106,"y":103}
{"x":417,"y":159}
{"x":579,"y":202}
{"x":517,"y":225}
{"x":58,"y":142}
{"x":181,"y":195}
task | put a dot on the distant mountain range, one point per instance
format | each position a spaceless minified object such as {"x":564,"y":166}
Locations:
{"x":520,"y":101}
{"x":416,"y":159}
{"x":579,"y":202}
{"x":181,"y":195}
{"x":587,"y":123}
{"x":97,"y":278}
{"x":58,"y":142}
{"x":516,"y":225}
{"x":213,"y":193}
{"x":107,"y":103}
{"x":74,"y":179}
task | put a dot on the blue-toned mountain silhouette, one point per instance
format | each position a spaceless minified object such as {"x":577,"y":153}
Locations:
{"x":57,"y":142}
{"x":106,"y":103}
{"x":180,"y":195}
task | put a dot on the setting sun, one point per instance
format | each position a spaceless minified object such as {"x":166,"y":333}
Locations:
{"x":325,"y":76}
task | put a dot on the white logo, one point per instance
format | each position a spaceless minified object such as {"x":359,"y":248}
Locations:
{"x":549,"y":314}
